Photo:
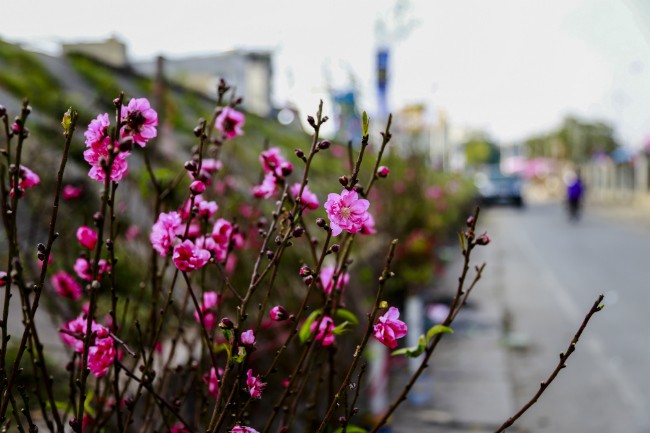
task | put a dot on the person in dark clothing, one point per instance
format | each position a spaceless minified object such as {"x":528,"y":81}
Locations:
{"x":575,"y":192}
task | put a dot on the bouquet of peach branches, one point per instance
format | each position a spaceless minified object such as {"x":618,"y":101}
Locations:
{"x":229,"y":322}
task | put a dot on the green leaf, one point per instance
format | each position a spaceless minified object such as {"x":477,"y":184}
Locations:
{"x":438,"y":329}
{"x":343,"y":327}
{"x":347,"y":315}
{"x":241,"y":355}
{"x":412,"y":352}
{"x":305,"y":329}
{"x":383,"y":305}
{"x":351,"y":429}
{"x":365,"y":123}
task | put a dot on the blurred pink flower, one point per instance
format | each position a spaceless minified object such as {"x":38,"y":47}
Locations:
{"x":267,"y":188}
{"x":65,"y":285}
{"x":346,"y":212}
{"x":87,"y":237}
{"x":188,"y":257}
{"x":210,"y":301}
{"x":101,"y":355}
{"x":273,"y":162}
{"x":212,"y":380}
{"x":327,"y":279}
{"x":248,"y":338}
{"x":324,"y":330}
{"x":389,"y":328}
{"x":368,"y":227}
{"x":230,"y":122}
{"x":178,"y":427}
{"x":308,"y":198}
{"x":243,"y":429}
{"x":83,"y":268}
{"x":164,"y":231}
{"x":132,"y":232}
{"x":221,"y":234}
{"x":71,"y":192}
{"x":28,"y":178}
{"x":255,"y":384}
{"x":140,"y":121}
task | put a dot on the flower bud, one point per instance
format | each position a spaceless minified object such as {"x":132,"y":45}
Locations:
{"x":305,"y":270}
{"x":3,"y":111}
{"x":320,"y":222}
{"x":299,"y":153}
{"x":226,"y":323}
{"x":383,"y":171}
{"x":269,"y":254}
{"x":278,"y":313}
{"x":325,"y":144}
{"x":298,"y":231}
{"x":343,"y":180}
{"x":308,"y":280}
{"x":335,"y":248}
{"x":470,"y":221}
{"x":198,"y":131}
{"x":311,"y":121}
{"x":287,"y":168}
{"x":469,"y":234}
{"x":197,"y":187}
{"x":191,"y":166}
{"x":484,"y":239}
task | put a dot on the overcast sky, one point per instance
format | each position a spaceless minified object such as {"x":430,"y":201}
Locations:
{"x":510,"y":67}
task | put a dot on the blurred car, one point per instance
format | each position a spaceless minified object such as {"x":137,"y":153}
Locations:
{"x":499,"y":188}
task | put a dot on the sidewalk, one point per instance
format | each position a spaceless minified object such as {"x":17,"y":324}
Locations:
{"x":466,"y":387}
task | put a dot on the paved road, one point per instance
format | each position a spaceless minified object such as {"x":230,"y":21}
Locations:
{"x":547,"y":272}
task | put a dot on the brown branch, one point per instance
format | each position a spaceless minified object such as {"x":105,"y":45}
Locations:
{"x":560,"y":365}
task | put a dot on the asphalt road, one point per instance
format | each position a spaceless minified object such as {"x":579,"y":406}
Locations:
{"x":548,"y":271}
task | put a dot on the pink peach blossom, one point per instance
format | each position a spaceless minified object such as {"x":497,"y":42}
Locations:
{"x":308,"y":198}
{"x":140,"y":121}
{"x":71,"y":192}
{"x":83,"y":268}
{"x":178,"y":427}
{"x":243,"y":429}
{"x":230,"y":122}
{"x":210,"y":301}
{"x":267,"y":188}
{"x":255,"y":384}
{"x":273,"y":162}
{"x":248,"y":338}
{"x":188,"y":257}
{"x":212,"y":380}
{"x":346,"y":212}
{"x":327,"y":279}
{"x":65,"y":285}
{"x":97,"y":129}
{"x":325,"y":327}
{"x":101,"y":356}
{"x":87,"y":237}
{"x":164,"y":231}
{"x":389,"y":328}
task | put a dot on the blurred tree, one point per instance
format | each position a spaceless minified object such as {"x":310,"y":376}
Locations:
{"x":576,"y":140}
{"x":479,"y":150}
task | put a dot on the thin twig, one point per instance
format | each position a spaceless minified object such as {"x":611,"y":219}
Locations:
{"x":564,"y":356}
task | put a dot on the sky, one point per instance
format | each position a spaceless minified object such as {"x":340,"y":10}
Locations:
{"x":511,"y":68}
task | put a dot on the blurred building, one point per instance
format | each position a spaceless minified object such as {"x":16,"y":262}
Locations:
{"x":248,"y":72}
{"x":111,"y":51}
